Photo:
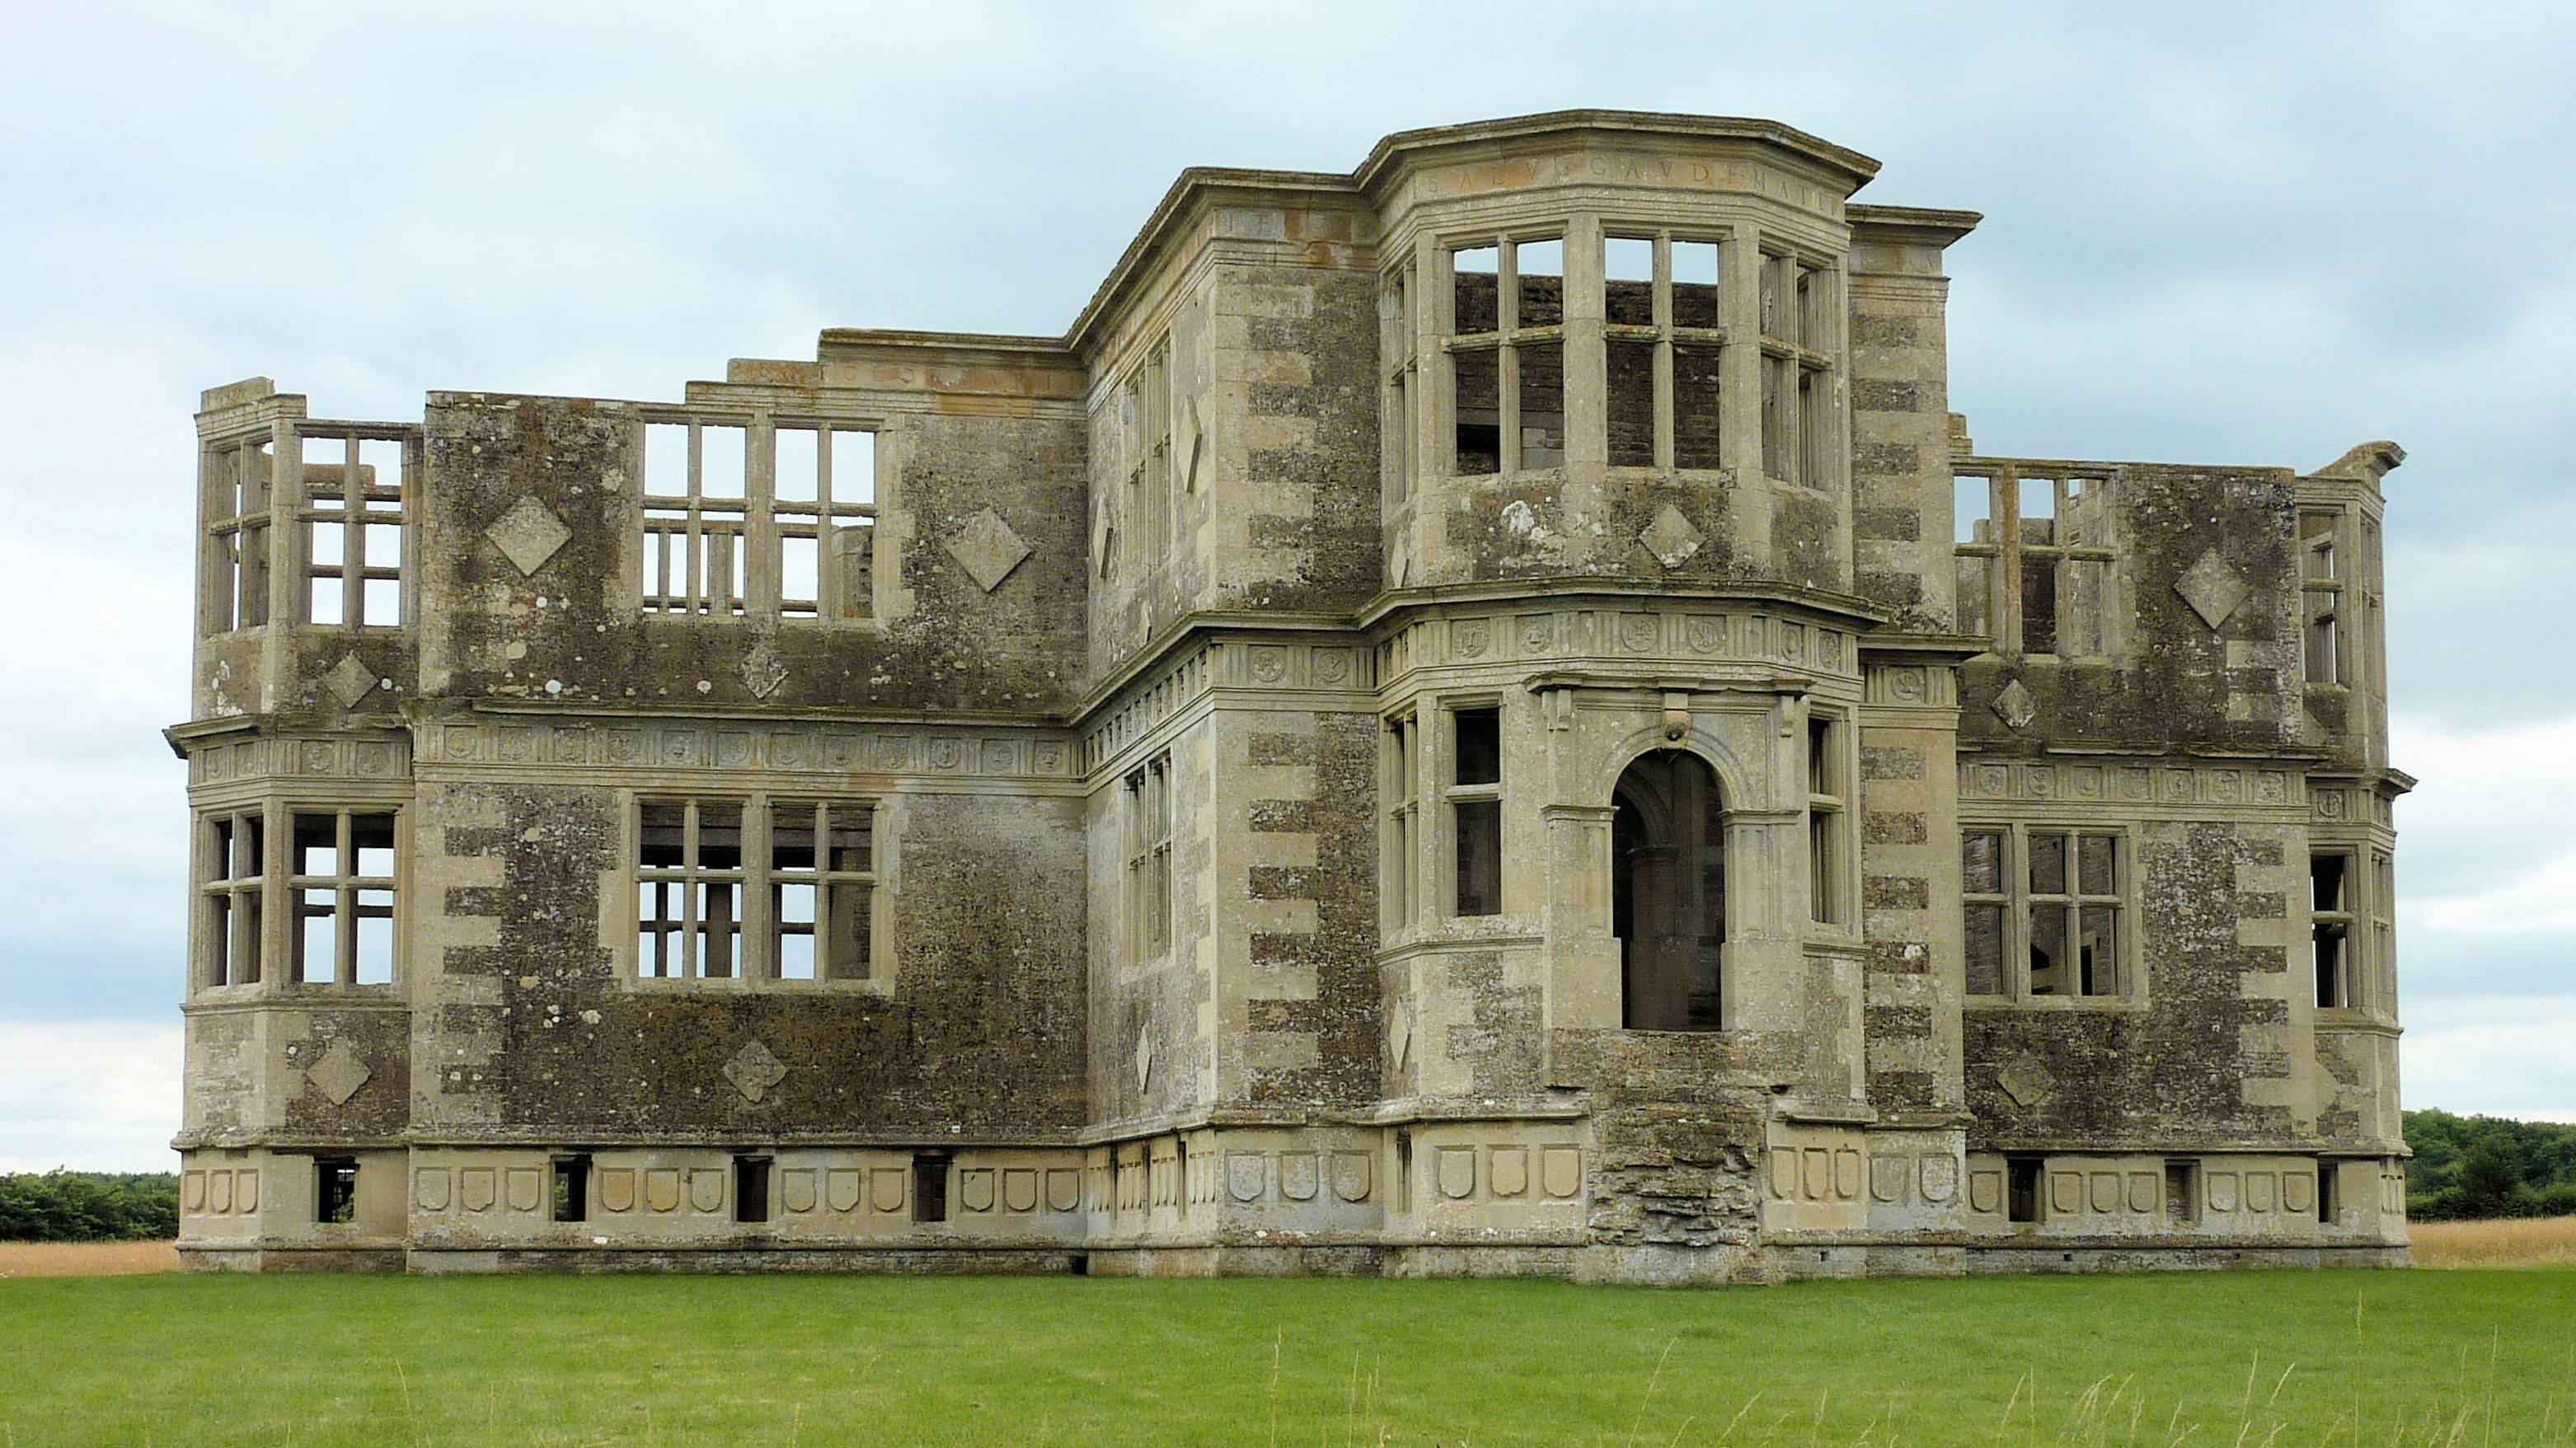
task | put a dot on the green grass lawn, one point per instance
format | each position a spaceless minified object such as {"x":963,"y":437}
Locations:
{"x":2228,"y":1360}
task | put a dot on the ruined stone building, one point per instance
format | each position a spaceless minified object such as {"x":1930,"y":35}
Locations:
{"x":1480,"y":715}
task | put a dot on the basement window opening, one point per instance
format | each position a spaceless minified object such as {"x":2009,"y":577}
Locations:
{"x":2021,"y":1188}
{"x":335,"y":1189}
{"x":572,"y":1189}
{"x":1476,"y":809}
{"x":2330,"y":929}
{"x":751,"y":1188}
{"x":930,"y":1186}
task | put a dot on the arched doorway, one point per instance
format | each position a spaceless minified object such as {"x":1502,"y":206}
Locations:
{"x":1668,"y":893}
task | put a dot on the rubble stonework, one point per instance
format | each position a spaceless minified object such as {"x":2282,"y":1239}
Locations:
{"x":1476,"y":716}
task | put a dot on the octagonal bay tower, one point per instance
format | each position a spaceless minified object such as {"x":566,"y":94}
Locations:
{"x":1477,"y":716}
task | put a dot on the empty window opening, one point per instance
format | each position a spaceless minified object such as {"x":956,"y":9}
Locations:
{"x":2321,"y":597}
{"x":234,"y":872}
{"x":820,"y":901}
{"x":1628,"y":281}
{"x":2042,"y":912}
{"x":2021,"y":1188}
{"x":1695,"y":298}
{"x":1398,"y":357}
{"x":695,"y":519}
{"x":1541,"y":434}
{"x":234,"y":570}
{"x":2330,"y":914}
{"x":1507,"y":356}
{"x":1668,"y":893}
{"x":930,"y":1187}
{"x":341,"y":874}
{"x":572,"y":1189}
{"x":1476,"y":810}
{"x":822,"y":505}
{"x":1539,"y":267}
{"x":2182,"y":1193}
{"x":353,"y":553}
{"x":2329,"y":1194}
{"x":2038,"y":604}
{"x":1826,"y":818}
{"x":2034,"y":559}
{"x":335,"y":1189}
{"x":1795,"y":302}
{"x":1632,"y":403}
{"x":765,"y":889}
{"x":1149,"y":860}
{"x":1403,"y":774}
{"x":751,"y":1189}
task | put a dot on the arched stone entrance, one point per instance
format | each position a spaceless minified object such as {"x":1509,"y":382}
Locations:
{"x":1668,"y":893}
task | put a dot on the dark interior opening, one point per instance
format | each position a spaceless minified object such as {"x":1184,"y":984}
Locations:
{"x":2021,"y":1189}
{"x":572,"y":1188}
{"x":930,"y":1187}
{"x":751,"y":1189}
{"x":335,"y":1189}
{"x":1668,"y":893}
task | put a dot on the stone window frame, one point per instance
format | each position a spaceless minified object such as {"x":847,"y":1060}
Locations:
{"x":1996,"y":562}
{"x":1457,"y":796}
{"x":1400,"y":381}
{"x":1144,"y":400}
{"x":2368,"y":918}
{"x":1400,"y":753}
{"x":246,"y":931}
{"x":758,"y":882}
{"x":2324,"y":571}
{"x":259,"y":522}
{"x":1670,"y":339}
{"x":734,"y":549}
{"x":1146,"y":797}
{"x":1507,"y":341}
{"x":1801,"y":307}
{"x":2016,"y":901}
{"x":1830,"y":767}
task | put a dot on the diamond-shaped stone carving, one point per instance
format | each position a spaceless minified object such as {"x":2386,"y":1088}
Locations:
{"x":753,"y":1071}
{"x":1671,"y":538}
{"x":762,"y":670}
{"x":2015,"y":706}
{"x":1144,"y":1059}
{"x":528,"y":534}
{"x":338,"y":1074}
{"x":2211,"y":588}
{"x":350,"y":680}
{"x":987,"y":549}
{"x":2026,"y":1080}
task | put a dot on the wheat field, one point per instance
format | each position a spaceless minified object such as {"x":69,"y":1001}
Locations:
{"x":2522,"y":1242}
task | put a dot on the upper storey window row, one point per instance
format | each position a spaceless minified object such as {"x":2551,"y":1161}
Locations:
{"x":320,"y":542}
{"x":1631,"y":347}
{"x":770,"y":518}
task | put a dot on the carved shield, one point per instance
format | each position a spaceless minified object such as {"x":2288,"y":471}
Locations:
{"x":662,"y":1189}
{"x":2142,"y":1191}
{"x":246,"y":1190}
{"x":1064,"y":1189}
{"x":2106,"y":1191}
{"x":192,"y":1191}
{"x":1457,"y":1174}
{"x":1298,"y":1176}
{"x":1351,"y":1175}
{"x":1561,"y":1170}
{"x":2066,"y":1192}
{"x":478,"y":1187}
{"x":2222,"y":1191}
{"x":527,"y":1187}
{"x":1020,"y":1189}
{"x":1816,"y":1174}
{"x":975,"y":1188}
{"x":617,"y":1189}
{"x":1847,"y":1175}
{"x":885,"y":1188}
{"x":1246,"y":1173}
{"x":706,"y":1189}
{"x":219,"y":1192}
{"x":1784,"y":1172}
{"x":1510,"y":1170}
{"x":796,"y":1190}
{"x":1887,"y":1176}
{"x":2298,"y":1192}
{"x":2258,"y":1191}
{"x":842,"y":1189}
{"x":1938,"y":1177}
{"x":1986,"y":1191}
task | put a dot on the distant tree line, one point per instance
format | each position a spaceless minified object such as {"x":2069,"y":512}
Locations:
{"x":2486,"y":1166}
{"x":81,"y":1206}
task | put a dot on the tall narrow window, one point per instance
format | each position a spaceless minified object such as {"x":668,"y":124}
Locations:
{"x":233,"y":876}
{"x":930,"y":1186}
{"x":1668,"y":893}
{"x":689,"y":876}
{"x":2330,"y":916}
{"x":822,"y":883}
{"x":2182,"y":1193}
{"x":1149,"y":859}
{"x":1507,"y":355}
{"x":823,"y":505}
{"x":1825,"y":817}
{"x":335,"y":1189}
{"x":1397,"y":354}
{"x":341,"y":877}
{"x":2021,"y":1188}
{"x":238,"y":510}
{"x":2321,"y":593}
{"x":1796,"y":301}
{"x":1403,"y":817}
{"x":1981,"y":880}
{"x":751,"y":1189}
{"x":696,"y":518}
{"x":353,"y":501}
{"x":1476,"y":809}
{"x":2381,"y":984}
{"x":572,"y":1188}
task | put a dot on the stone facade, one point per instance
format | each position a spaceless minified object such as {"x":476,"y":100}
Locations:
{"x":1476,"y":716}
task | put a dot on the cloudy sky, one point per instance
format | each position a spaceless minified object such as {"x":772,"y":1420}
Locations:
{"x":2226,"y":233}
